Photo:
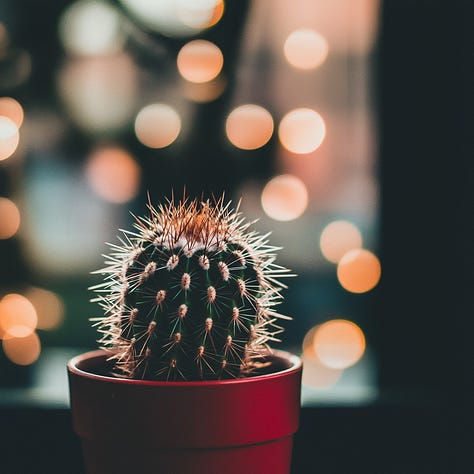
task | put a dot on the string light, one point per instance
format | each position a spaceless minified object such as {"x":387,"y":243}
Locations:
{"x":284,"y":198}
{"x":49,"y":307}
{"x":200,"y":14}
{"x":337,"y":238}
{"x":99,"y":92}
{"x":157,"y":125}
{"x":175,"y":18}
{"x":12,"y":109}
{"x":91,"y":27}
{"x":305,"y":49}
{"x":302,"y":130}
{"x":339,"y":344}
{"x":9,"y":218}
{"x":315,"y":374}
{"x":249,"y":126}
{"x":22,"y":350}
{"x":18,"y":316}
{"x":200,"y":61}
{"x":359,"y":271}
{"x":113,"y":174}
{"x":9,"y":137}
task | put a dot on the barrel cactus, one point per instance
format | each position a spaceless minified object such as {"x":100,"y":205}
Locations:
{"x":190,"y":294}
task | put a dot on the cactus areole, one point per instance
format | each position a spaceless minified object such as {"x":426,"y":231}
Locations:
{"x":190,"y":294}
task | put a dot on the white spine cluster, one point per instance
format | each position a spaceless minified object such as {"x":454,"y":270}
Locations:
{"x":182,"y":230}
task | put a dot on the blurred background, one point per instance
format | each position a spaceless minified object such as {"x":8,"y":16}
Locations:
{"x":105,"y":102}
{"x":338,"y":124}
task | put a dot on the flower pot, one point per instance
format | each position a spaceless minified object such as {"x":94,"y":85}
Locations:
{"x":236,"y":426}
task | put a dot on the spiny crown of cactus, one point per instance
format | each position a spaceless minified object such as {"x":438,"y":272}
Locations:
{"x":190,"y":294}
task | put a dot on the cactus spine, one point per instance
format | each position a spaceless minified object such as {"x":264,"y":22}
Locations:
{"x":190,"y":294}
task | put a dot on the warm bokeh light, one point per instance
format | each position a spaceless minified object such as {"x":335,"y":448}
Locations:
{"x":249,"y":126}
{"x":284,"y":198}
{"x":337,"y":238}
{"x":157,"y":125}
{"x":91,"y":27}
{"x":49,"y":307}
{"x":350,"y":26}
{"x":200,"y":14}
{"x":200,"y":61}
{"x":18,"y":316}
{"x":175,"y":18}
{"x":99,"y":92}
{"x":23,"y":350}
{"x":305,"y":49}
{"x":9,"y":137}
{"x":359,"y":270}
{"x":12,"y":109}
{"x":339,"y":344}
{"x":315,"y":374}
{"x":113,"y":174}
{"x":302,"y":130}
{"x":217,"y":13}
{"x":308,"y":341}
{"x":9,"y":218}
{"x":204,"y":91}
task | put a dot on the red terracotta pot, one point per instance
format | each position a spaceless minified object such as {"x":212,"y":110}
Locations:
{"x":231,"y":426}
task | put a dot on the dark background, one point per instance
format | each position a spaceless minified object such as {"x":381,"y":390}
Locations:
{"x":422,"y":421}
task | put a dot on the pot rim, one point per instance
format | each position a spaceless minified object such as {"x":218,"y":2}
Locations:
{"x":73,"y":367}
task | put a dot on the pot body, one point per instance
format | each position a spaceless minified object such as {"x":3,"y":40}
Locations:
{"x":234,"y":426}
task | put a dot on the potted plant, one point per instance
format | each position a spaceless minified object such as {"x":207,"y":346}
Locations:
{"x":185,"y":380}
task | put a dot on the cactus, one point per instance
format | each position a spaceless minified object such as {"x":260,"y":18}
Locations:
{"x":189,"y":294}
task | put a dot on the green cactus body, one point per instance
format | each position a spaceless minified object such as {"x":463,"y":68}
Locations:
{"x":190,"y":296}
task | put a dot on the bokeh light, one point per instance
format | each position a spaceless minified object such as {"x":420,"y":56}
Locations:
{"x":113,"y":174}
{"x":157,"y":125}
{"x":284,"y":198}
{"x":18,"y":316}
{"x":23,"y":350}
{"x":249,"y":126}
{"x":99,"y":93}
{"x":12,"y":109}
{"x":200,"y":61}
{"x":359,"y":270}
{"x":338,"y":343}
{"x":217,"y":13}
{"x":305,"y":49}
{"x":200,"y":14}
{"x":9,"y":218}
{"x":9,"y":137}
{"x":175,"y":18}
{"x":91,"y":27}
{"x":315,"y":374}
{"x":49,"y":307}
{"x":337,"y":238}
{"x":302,"y":130}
